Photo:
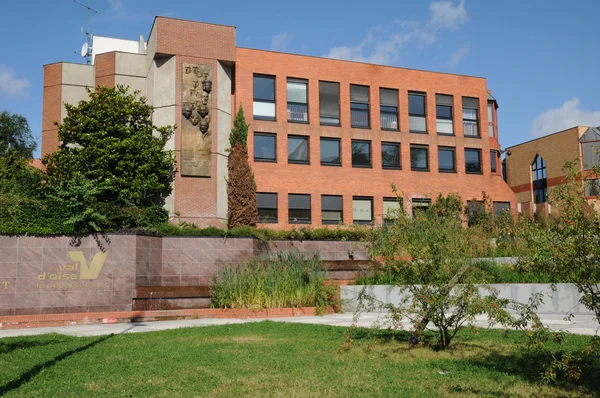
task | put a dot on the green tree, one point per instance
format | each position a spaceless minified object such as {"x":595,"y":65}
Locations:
{"x":16,"y":144}
{"x":241,"y":187}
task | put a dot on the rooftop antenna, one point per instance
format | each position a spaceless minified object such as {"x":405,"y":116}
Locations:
{"x":86,"y":48}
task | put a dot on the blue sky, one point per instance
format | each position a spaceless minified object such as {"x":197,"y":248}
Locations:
{"x":541,"y":57}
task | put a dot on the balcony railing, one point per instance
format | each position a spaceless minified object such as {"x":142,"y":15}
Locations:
{"x":389,"y":121}
{"x":297,"y":113}
{"x":359,"y":118}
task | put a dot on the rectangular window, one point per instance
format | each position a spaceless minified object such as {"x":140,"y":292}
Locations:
{"x":297,"y":100}
{"x":471,"y":116}
{"x":416,"y":112}
{"x":264,"y":97}
{"x":473,"y":161}
{"x":420,"y":205}
{"x":392,"y":207}
{"x":493,"y":160}
{"x":443,"y":110}
{"x":265,"y":147}
{"x":298,"y":149}
{"x":388,"y":99}
{"x":447,"y":159}
{"x":267,"y":207}
{"x":390,"y":155}
{"x":331,"y":209}
{"x":330,"y":152}
{"x":359,"y":106}
{"x":591,"y":154}
{"x":592,"y":187}
{"x":491,"y":118}
{"x":298,"y":209}
{"x":501,"y":207}
{"x":362,"y":209}
{"x":419,"y":157}
{"x":329,"y":103}
{"x":361,"y":153}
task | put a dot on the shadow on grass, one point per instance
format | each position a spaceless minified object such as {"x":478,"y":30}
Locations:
{"x":6,"y":348}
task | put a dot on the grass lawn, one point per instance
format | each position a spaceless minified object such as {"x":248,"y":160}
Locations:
{"x":273,"y":359}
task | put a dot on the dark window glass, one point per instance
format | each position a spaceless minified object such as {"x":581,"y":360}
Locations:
{"x":359,"y":106}
{"x":329,"y":103}
{"x":264,"y":147}
{"x":540,"y":183}
{"x":331,"y":209}
{"x":416,"y":104}
{"x":501,"y":207}
{"x":493,"y":160}
{"x":475,"y":210}
{"x":446,"y":159}
{"x":388,"y":99}
{"x":297,"y":100}
{"x":592,"y":187}
{"x":361,"y":153}
{"x":267,"y":207}
{"x":330,"y":151}
{"x":299,"y":209}
{"x":362,"y":209}
{"x":444,"y":112}
{"x":264,"y":97}
{"x":298,"y":149}
{"x":419,"y":157}
{"x":390,"y":155}
{"x":473,"y":160}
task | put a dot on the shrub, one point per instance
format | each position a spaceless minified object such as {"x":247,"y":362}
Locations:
{"x":285,"y":279}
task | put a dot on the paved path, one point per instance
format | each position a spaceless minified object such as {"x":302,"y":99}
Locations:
{"x":582,"y":324}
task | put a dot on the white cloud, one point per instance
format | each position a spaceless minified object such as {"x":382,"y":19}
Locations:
{"x":280,"y":41}
{"x":11,"y":85}
{"x":458,"y":55}
{"x":568,"y":115}
{"x":445,"y":15}
{"x":383,"y":43}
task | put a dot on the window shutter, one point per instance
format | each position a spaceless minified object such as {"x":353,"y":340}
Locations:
{"x":445,"y":100}
{"x":359,"y":93}
{"x":388,"y":97}
{"x":472,"y":103}
{"x":329,"y":99}
{"x":332,"y":203}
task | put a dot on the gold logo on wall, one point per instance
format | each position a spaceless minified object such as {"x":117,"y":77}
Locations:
{"x":78,"y":271}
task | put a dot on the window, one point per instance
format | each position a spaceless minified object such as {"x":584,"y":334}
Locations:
{"x":501,"y":207}
{"x":475,"y":212}
{"x":416,"y":113}
{"x":494,"y":160}
{"x":362,"y":209}
{"x":330,"y":152}
{"x":443,"y":110}
{"x":298,"y":149}
{"x":297,"y":100}
{"x":420,"y":205}
{"x":264,"y":97}
{"x":359,"y":106}
{"x":299,"y":209}
{"x":470,"y":116}
{"x":592,"y":187}
{"x":361,"y":153}
{"x":331,"y":209}
{"x":473,"y":161}
{"x":329,"y":103}
{"x":447,"y":159}
{"x":391,"y":209}
{"x":390,"y":155}
{"x":265,"y":147}
{"x":491,"y":118}
{"x":419,"y":157}
{"x":591,"y":154}
{"x":267,"y":207}
{"x":540,"y":184}
{"x":388,"y":99}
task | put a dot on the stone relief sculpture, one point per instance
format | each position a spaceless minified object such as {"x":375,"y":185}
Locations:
{"x":196,"y":121}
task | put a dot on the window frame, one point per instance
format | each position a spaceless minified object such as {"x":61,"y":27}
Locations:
{"x":451,"y":118}
{"x":368,"y":105}
{"x":447,"y":148}
{"x":476,"y":150}
{"x":414,"y":207}
{"x":339,"y":123}
{"x":341,"y":211}
{"x":385,"y":112}
{"x":476,"y":120}
{"x":339,"y":142}
{"x":539,"y":184}
{"x":424,"y":115}
{"x":276,"y":208}
{"x":296,"y":80}
{"x":270,"y":135}
{"x":394,"y":167}
{"x":364,"y":166}
{"x":492,"y":123}
{"x":388,"y":220}
{"x":274,"y":101}
{"x":419,"y":146}
{"x":494,"y":156}
{"x":495,"y":206}
{"x":301,"y":220}
{"x":304,"y":137}
{"x":362,"y":222}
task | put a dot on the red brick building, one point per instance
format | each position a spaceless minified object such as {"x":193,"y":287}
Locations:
{"x":327,"y":138}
